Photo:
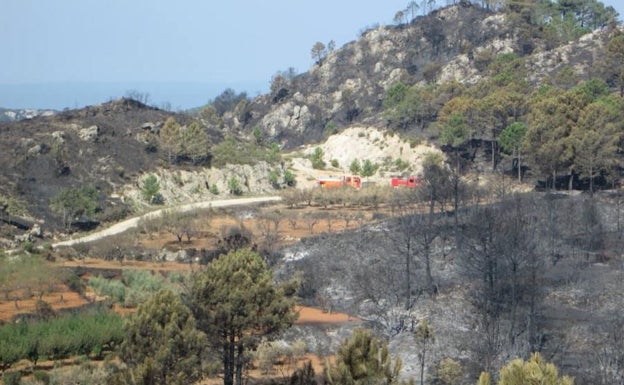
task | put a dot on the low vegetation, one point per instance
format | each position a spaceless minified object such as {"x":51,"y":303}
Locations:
{"x":88,"y":333}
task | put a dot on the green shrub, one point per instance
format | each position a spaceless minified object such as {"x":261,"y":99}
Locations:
{"x":274,"y":178}
{"x":289,"y":178}
{"x":60,"y":337}
{"x":12,"y":378}
{"x":74,"y":282}
{"x":334,"y":163}
{"x":71,"y":203}
{"x":330,"y":129}
{"x":401,"y":165}
{"x":150,"y":187}
{"x":42,"y":377}
{"x":235,"y":186}
{"x":214,"y":189}
{"x":28,"y":246}
{"x":317,"y":159}
{"x":232,"y":151}
{"x":114,"y":290}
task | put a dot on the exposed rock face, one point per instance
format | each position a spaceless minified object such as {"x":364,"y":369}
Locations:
{"x":349,"y":84}
{"x":59,"y":136}
{"x":9,"y":115}
{"x":207,"y":183}
{"x":89,"y":134}
{"x":288,"y":116}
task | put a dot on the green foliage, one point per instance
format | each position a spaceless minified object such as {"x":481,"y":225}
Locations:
{"x":74,"y":282}
{"x":335,"y":163}
{"x":61,"y":337}
{"x":135,"y":287}
{"x":512,"y":137}
{"x":507,"y":68}
{"x":232,"y":151}
{"x":355,"y":167}
{"x":150,"y":187}
{"x":194,"y":143}
{"x":236,"y":303}
{"x":110,"y":288}
{"x":235,"y":186}
{"x":317,"y":159}
{"x":534,"y":371}
{"x":72,"y":203}
{"x":227,"y":100}
{"x":214,"y":189}
{"x":330,"y":129}
{"x":369,"y":168}
{"x":11,"y":205}
{"x":455,"y":131}
{"x":401,"y":165}
{"x":28,"y":275}
{"x":405,"y":106}
{"x":12,"y":378}
{"x":363,"y":359}
{"x":170,"y":138}
{"x":448,"y":372}
{"x":162,"y":345}
{"x":318,"y":52}
{"x":394,"y":95}
{"x":258,"y":135}
{"x":289,"y":178}
{"x":184,"y":143}
{"x":42,"y":377}
{"x":274,"y":178}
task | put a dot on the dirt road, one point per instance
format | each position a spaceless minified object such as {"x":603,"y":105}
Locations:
{"x":134,"y":222}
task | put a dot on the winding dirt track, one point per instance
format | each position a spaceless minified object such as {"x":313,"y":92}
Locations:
{"x":134,"y":222}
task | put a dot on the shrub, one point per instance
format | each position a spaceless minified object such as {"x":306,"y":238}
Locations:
{"x":214,"y":189}
{"x":401,"y":165}
{"x":42,"y":377}
{"x":60,"y":337}
{"x":289,"y":178}
{"x":274,"y":179}
{"x":330,"y":129}
{"x":232,"y":151}
{"x":12,"y":378}
{"x":235,"y":186}
{"x":150,"y":187}
{"x":74,"y":202}
{"x":114,"y":290}
{"x":334,"y":163}
{"x":317,"y":159}
{"x":448,"y":372}
{"x":74,"y":282}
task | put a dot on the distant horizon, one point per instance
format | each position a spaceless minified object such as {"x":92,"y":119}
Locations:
{"x":181,"y":95}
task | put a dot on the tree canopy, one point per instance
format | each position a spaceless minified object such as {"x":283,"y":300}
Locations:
{"x":162,"y":345}
{"x":236,"y":303}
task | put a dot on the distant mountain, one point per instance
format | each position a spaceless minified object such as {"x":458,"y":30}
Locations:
{"x":11,"y":115}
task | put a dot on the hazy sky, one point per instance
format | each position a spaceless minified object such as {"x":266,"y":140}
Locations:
{"x":139,"y":42}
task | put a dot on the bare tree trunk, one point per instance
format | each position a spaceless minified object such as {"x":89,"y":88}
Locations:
{"x":239,"y":364}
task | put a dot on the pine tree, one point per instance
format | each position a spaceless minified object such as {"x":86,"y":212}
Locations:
{"x":237,"y":303}
{"x":162,"y":345}
{"x":361,"y":360}
{"x":534,"y":371}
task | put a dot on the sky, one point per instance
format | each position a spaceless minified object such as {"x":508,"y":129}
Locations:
{"x":70,"y":53}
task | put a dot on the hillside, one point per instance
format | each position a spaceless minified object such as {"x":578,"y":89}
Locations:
{"x":10,"y":115}
{"x":456,"y":54}
{"x":452,"y":44}
{"x":509,"y":244}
